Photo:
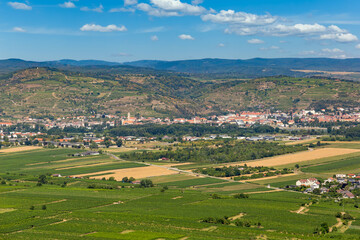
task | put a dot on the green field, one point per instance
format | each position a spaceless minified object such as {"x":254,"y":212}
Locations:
{"x":66,"y":208}
{"x":347,"y":165}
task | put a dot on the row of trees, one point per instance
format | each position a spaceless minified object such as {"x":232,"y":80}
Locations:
{"x":227,"y":152}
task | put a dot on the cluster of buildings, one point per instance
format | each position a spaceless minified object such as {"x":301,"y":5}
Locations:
{"x":245,"y":119}
{"x":343,"y":184}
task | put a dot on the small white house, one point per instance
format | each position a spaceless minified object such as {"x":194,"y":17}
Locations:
{"x":340,"y":175}
{"x":311,"y":182}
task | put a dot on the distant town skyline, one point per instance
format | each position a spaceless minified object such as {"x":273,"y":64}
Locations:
{"x":128,"y":30}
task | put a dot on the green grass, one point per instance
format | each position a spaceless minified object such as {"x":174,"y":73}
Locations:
{"x":348,"y":165}
{"x":193,"y":182}
{"x":115,"y":210}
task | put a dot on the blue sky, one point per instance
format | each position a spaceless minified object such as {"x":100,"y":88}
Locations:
{"x":127,"y":30}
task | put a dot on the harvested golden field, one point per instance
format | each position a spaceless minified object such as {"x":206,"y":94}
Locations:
{"x":18,"y":149}
{"x":298,"y":157}
{"x":137,"y":173}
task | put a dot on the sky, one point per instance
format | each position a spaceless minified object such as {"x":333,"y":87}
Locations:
{"x":129,"y":30}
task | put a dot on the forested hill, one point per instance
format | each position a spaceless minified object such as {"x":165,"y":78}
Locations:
{"x":208,"y":68}
{"x":118,"y":90}
{"x":277,"y":66}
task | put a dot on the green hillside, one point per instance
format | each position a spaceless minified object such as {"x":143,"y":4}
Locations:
{"x":53,"y":92}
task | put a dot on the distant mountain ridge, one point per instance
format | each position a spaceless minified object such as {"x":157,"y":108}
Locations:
{"x":214,"y":65}
{"x":14,"y":64}
{"x":251,"y":68}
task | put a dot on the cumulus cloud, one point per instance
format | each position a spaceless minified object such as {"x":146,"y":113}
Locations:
{"x":99,"y":28}
{"x":315,"y":31}
{"x":339,"y":37}
{"x":68,"y":4}
{"x":154,"y":38}
{"x":166,"y":8}
{"x":255,"y":41}
{"x":99,"y":9}
{"x":243,"y":18}
{"x":19,"y":29}
{"x":221,"y":45}
{"x":186,"y":37}
{"x":334,"y":50}
{"x":358,"y":46}
{"x":19,"y":6}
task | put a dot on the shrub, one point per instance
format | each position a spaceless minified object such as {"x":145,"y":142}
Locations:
{"x":241,"y":195}
{"x":146,"y":183}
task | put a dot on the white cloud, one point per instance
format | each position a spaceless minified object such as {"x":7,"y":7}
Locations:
{"x":19,"y":29}
{"x":339,"y":37}
{"x":165,"y":8}
{"x":130,"y":2}
{"x":315,"y":31}
{"x":113,"y":10}
{"x":99,"y":28}
{"x":232,"y":17}
{"x":186,"y":37}
{"x":154,"y":38}
{"x":155,"y":11}
{"x":299,"y":29}
{"x":19,"y":6}
{"x":68,"y":4}
{"x":221,"y":45}
{"x":358,"y":46}
{"x":255,"y":41}
{"x":334,"y":50}
{"x":99,"y":9}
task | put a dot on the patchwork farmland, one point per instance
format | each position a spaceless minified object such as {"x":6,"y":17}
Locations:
{"x":93,"y":205}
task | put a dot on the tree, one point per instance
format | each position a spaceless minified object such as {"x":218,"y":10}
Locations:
{"x":146,"y":183}
{"x":32,"y":208}
{"x":297,"y":166}
{"x":119,"y":142}
{"x":107,"y":143}
{"x":0,"y":145}
{"x":43,"y":207}
{"x":42,"y":179}
{"x":93,"y":145}
{"x":125,"y":179}
{"x":316,"y":191}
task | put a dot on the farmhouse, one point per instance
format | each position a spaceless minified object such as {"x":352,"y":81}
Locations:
{"x":311,"y":182}
{"x":88,"y":153}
